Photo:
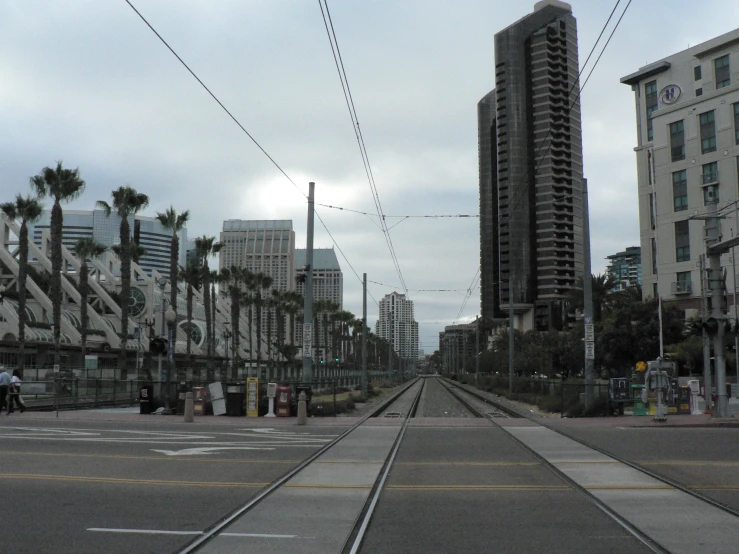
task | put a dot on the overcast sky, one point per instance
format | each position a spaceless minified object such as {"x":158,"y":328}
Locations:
{"x":86,"y":82}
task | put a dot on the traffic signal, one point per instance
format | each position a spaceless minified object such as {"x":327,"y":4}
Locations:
{"x":158,"y":345}
{"x":711,"y":325}
{"x":320,"y":360}
{"x":336,"y":359}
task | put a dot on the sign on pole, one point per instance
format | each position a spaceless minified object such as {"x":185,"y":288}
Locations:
{"x":589,"y":350}
{"x":307,"y":340}
{"x":589,"y":332}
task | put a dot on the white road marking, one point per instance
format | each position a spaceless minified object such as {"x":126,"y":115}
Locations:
{"x":165,"y":532}
{"x":144,"y":531}
{"x":205,"y":451}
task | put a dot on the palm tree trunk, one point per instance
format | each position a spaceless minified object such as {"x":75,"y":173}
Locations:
{"x":251,"y":334}
{"x":57,"y":219}
{"x":84,"y":319}
{"x":22,"y":272}
{"x":206,"y":306}
{"x":125,"y":235}
{"x":189,"y":321}
{"x":234,"y":333}
{"x":174,"y":254}
{"x":259,"y":332}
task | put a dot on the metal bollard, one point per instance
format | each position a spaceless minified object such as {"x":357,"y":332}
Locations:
{"x":302,"y":409}
{"x":189,"y":407}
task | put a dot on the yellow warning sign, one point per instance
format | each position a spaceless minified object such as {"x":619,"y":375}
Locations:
{"x":641,"y":366}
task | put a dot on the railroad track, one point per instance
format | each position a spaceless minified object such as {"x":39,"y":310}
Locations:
{"x":400,"y":406}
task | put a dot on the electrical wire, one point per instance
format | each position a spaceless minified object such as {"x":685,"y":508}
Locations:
{"x":341,"y":70}
{"x":245,"y":131}
{"x":430,"y":216}
{"x":214,"y":96}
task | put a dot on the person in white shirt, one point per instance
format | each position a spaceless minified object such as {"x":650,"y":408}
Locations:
{"x":4,"y":387}
{"x":15,"y":393}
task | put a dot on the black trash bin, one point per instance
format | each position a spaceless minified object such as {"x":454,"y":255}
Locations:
{"x":235,"y":399}
{"x":146,"y":399}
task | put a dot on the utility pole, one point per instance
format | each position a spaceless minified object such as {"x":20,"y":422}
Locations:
{"x":715,"y":283}
{"x":308,"y":296}
{"x":364,"y":334}
{"x":588,"y":303}
{"x":510,"y":333}
{"x":477,"y":351}
{"x":706,"y":343}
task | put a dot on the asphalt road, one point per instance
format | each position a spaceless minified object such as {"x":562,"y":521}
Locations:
{"x":92,"y":487}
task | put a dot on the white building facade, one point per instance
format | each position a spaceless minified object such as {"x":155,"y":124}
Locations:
{"x":397,"y":325}
{"x":687,"y":114}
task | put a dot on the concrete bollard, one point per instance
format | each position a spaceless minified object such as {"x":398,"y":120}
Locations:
{"x":189,"y":407}
{"x":302,"y":409}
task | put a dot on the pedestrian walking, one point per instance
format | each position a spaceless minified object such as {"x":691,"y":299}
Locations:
{"x":15,"y":393}
{"x":4,"y":387}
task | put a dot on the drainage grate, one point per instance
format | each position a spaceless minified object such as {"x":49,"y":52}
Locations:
{"x":392,"y":414}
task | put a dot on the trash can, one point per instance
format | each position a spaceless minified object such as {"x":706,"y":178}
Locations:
{"x":146,"y":399}
{"x":235,"y":399}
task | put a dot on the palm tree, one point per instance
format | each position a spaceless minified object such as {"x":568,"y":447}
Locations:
{"x":205,"y":247}
{"x":191,"y":277}
{"x":259,"y":282}
{"x":86,"y":248}
{"x":344,"y":318}
{"x":63,"y":185}
{"x":127,"y":202}
{"x":233,"y":279}
{"x":27,"y":210}
{"x":174,"y":222}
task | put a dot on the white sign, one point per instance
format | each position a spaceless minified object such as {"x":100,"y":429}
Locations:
{"x":670,"y":94}
{"x":307,"y":340}
{"x":589,"y":350}
{"x":589,"y":332}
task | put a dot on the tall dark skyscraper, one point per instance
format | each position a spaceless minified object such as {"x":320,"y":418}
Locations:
{"x":531,"y":171}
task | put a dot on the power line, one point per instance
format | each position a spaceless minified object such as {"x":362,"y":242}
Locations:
{"x":214,"y":96}
{"x":429,"y":216}
{"x":245,"y":131}
{"x":338,"y":61}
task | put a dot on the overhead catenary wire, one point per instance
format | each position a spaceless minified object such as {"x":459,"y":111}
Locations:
{"x":235,"y":120}
{"x":338,"y":61}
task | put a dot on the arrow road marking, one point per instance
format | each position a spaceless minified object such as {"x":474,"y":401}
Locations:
{"x":205,"y":451}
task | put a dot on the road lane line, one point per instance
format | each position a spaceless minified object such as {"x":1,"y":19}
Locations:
{"x":114,"y":480}
{"x":193,"y":533}
{"x":157,"y":458}
{"x":478,"y":488}
{"x":143,"y":531}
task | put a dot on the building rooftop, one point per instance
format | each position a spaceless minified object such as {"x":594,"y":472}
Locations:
{"x":258,"y":224}
{"x":323,"y":258}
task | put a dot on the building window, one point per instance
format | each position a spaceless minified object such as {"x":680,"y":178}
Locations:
{"x":683,"y":282}
{"x":651,"y":210}
{"x":677,"y":141}
{"x":708,"y":132}
{"x":710,"y":173}
{"x":680,"y":190}
{"x":655,"y":291}
{"x":723,"y":79}
{"x":654,"y":256}
{"x":699,"y":92}
{"x":697,"y":72}
{"x":736,"y":123}
{"x":650,"y":94}
{"x":682,"y":241}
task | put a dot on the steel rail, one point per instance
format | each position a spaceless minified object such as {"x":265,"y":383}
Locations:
{"x":224,"y":522}
{"x":357,"y":535}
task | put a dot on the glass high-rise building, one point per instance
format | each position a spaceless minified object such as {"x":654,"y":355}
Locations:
{"x":531,"y":171}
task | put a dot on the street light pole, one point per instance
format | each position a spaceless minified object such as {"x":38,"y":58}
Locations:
{"x":171,"y":317}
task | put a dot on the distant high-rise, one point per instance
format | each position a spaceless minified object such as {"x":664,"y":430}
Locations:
{"x":531,"y":171}
{"x":147,"y":232}
{"x":261,"y":246}
{"x":625,"y":268}
{"x":397,"y":325}
{"x":328,"y":284}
